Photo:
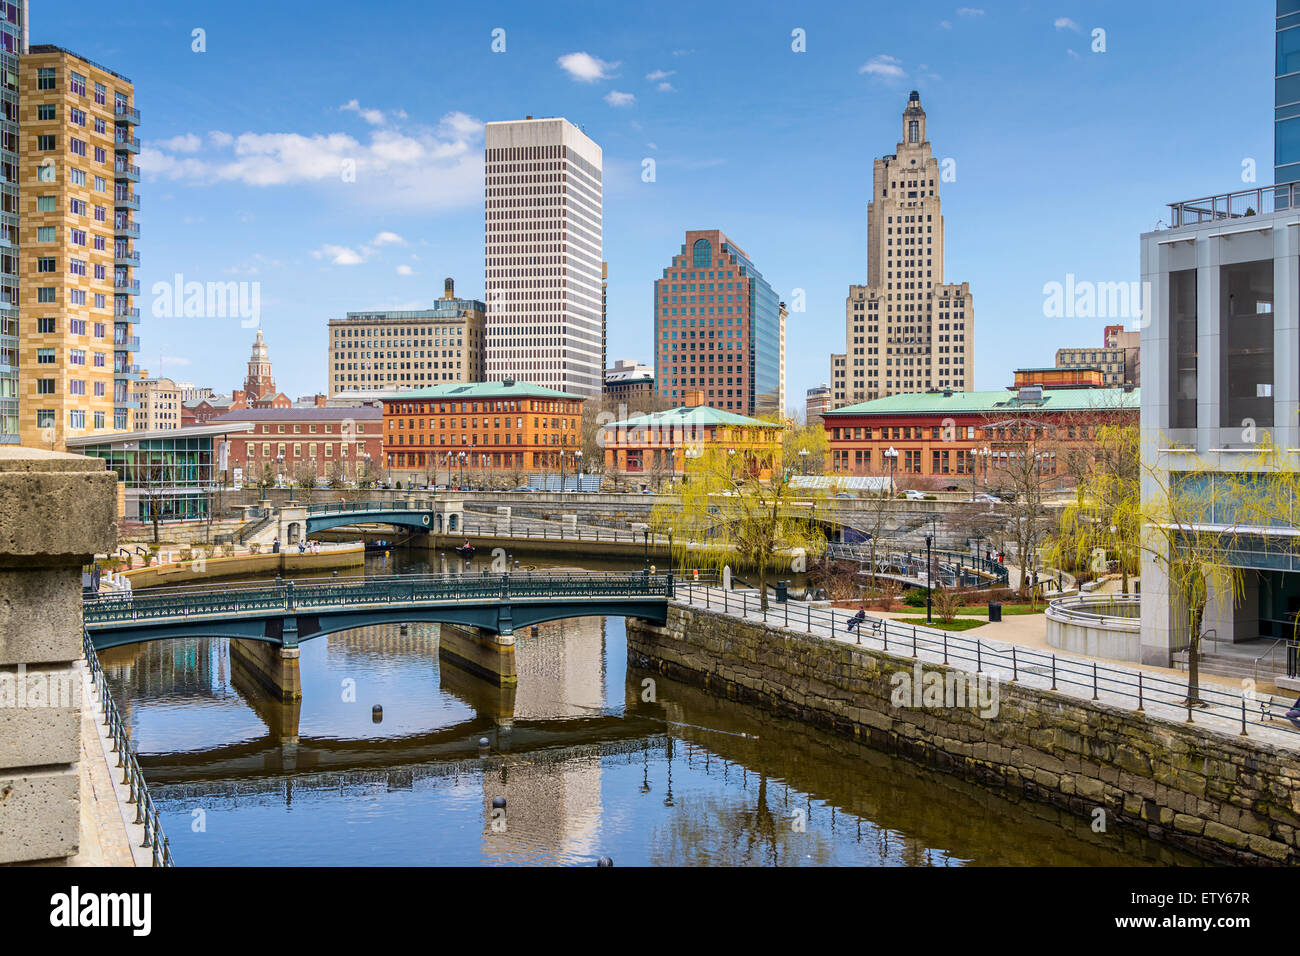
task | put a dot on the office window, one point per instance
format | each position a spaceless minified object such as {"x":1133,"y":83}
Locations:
{"x":45,"y":325}
{"x":45,"y":233}
{"x":77,"y":84}
{"x":45,"y":264}
{"x":47,"y":172}
{"x":1246,"y":344}
{"x":45,"y":386}
{"x":46,"y":142}
{"x":45,"y":79}
{"x":45,"y":111}
{"x":45,"y":203}
{"x":45,"y":294}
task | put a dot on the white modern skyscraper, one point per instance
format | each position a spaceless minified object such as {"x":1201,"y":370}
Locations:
{"x":543,"y":254}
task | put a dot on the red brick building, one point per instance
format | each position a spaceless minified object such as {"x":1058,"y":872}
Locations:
{"x":289,"y":438}
{"x":940,"y":438}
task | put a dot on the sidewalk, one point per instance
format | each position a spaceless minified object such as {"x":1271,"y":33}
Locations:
{"x":109,"y":837}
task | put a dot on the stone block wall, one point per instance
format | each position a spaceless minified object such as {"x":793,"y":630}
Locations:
{"x":1223,"y":797}
{"x":56,"y":512}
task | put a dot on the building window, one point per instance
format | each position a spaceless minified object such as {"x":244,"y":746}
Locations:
{"x":45,"y":111}
{"x":77,"y":84}
{"x":46,"y":142}
{"x":702,"y":254}
{"x":45,"y":79}
{"x":1246,"y":349}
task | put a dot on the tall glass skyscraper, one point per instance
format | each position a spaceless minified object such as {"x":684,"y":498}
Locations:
{"x":1286,"y":100}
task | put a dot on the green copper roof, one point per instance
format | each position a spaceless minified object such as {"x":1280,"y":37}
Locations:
{"x":458,"y":390}
{"x":690,"y":416}
{"x":1003,"y":400}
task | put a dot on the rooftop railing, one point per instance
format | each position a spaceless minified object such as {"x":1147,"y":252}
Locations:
{"x":1242,"y":204}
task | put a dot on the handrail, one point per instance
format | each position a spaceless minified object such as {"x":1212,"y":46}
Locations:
{"x":146,"y":814}
{"x":1132,"y":687}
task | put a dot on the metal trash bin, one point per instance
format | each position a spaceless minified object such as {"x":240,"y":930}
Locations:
{"x":782,"y":591}
{"x":995,"y":611}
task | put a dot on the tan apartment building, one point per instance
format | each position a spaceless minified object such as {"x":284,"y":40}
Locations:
{"x":76,"y":235}
{"x":157,"y":404}
{"x":393,"y":351}
{"x":907,"y":330}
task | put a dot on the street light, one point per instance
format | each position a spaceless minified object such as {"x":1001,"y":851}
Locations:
{"x":647,"y":550}
{"x":803,"y":461}
{"x":891,"y":456}
{"x":929,"y":579}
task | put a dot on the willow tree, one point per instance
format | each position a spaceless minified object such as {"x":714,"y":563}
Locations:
{"x":741,"y":507}
{"x":1105,"y":515}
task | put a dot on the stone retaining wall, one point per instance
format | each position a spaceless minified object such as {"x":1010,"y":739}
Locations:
{"x":1223,"y":797}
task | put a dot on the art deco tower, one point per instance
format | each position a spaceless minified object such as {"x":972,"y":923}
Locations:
{"x":906,"y":330}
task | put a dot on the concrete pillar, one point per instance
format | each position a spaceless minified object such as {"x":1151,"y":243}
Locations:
{"x":485,"y":654}
{"x":273,"y":667}
{"x":569,"y":523}
{"x":56,"y":512}
{"x":503,"y":520}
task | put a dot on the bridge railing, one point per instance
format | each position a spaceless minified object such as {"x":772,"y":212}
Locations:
{"x":1132,"y":687}
{"x":348,"y":507}
{"x":146,"y":814}
{"x":289,"y":596}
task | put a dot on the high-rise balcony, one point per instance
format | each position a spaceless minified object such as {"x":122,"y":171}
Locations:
{"x":125,"y":113}
{"x":126,"y":258}
{"x":126,"y":229}
{"x":125,"y":312}
{"x":127,"y":144}
{"x":125,"y":172}
{"x":127,"y":201}
{"x":127,"y":342}
{"x":125,"y":286}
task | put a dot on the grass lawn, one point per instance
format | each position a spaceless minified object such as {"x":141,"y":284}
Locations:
{"x":957,"y":625}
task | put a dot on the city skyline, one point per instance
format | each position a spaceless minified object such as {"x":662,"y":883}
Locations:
{"x":254,"y":193}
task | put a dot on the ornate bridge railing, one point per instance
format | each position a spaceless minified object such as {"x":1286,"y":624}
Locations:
{"x":349,"y":507}
{"x":290,"y":597}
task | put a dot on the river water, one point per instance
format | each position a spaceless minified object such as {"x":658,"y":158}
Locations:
{"x":588,"y":764}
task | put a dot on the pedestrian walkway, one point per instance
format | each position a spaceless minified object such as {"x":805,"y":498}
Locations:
{"x":1156,"y":691}
{"x":108,"y":837}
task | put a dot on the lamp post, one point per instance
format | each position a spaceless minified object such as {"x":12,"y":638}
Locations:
{"x":929,"y":580}
{"x":803,"y":461}
{"x":646,"y":533}
{"x":984,"y":454}
{"x":577,"y":467}
{"x":891,"y":456}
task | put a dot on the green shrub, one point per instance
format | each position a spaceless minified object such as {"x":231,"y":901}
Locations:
{"x":915,"y":597}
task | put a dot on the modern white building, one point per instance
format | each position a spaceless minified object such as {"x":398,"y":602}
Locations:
{"x":543,"y":255}
{"x":1221,"y":355}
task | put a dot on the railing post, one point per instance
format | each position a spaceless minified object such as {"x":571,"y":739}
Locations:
{"x":1094,"y":680}
{"x":1015,"y":668}
{"x":979,"y":661}
{"x":945,"y":647}
{"x":1053,"y":672}
{"x":913,"y":641}
{"x":1139,"y":707}
{"x":809,"y":617}
{"x":1243,"y":716}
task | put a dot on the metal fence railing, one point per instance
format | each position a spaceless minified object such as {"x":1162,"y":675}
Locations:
{"x":146,"y":814}
{"x":203,"y":602}
{"x":1131,"y":687}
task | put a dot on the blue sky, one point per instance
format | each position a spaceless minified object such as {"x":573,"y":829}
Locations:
{"x":1062,"y":156}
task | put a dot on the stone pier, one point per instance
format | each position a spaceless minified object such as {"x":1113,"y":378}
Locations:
{"x":56,"y":512}
{"x":483,"y":653}
{"x":272,"y":667}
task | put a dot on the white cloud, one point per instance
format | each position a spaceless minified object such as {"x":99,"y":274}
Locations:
{"x":945,"y":24}
{"x":1065,"y":23}
{"x":883,"y":65}
{"x":173,"y":360}
{"x":586,"y":68}
{"x":372,"y":116}
{"x":417,"y":167}
{"x":615,"y":98}
{"x":658,"y":75}
{"x":405,"y":270}
{"x":666,"y":87}
{"x":186,"y":143}
{"x":341,"y":255}
{"x":388,"y":239}
{"x":969,"y":12}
